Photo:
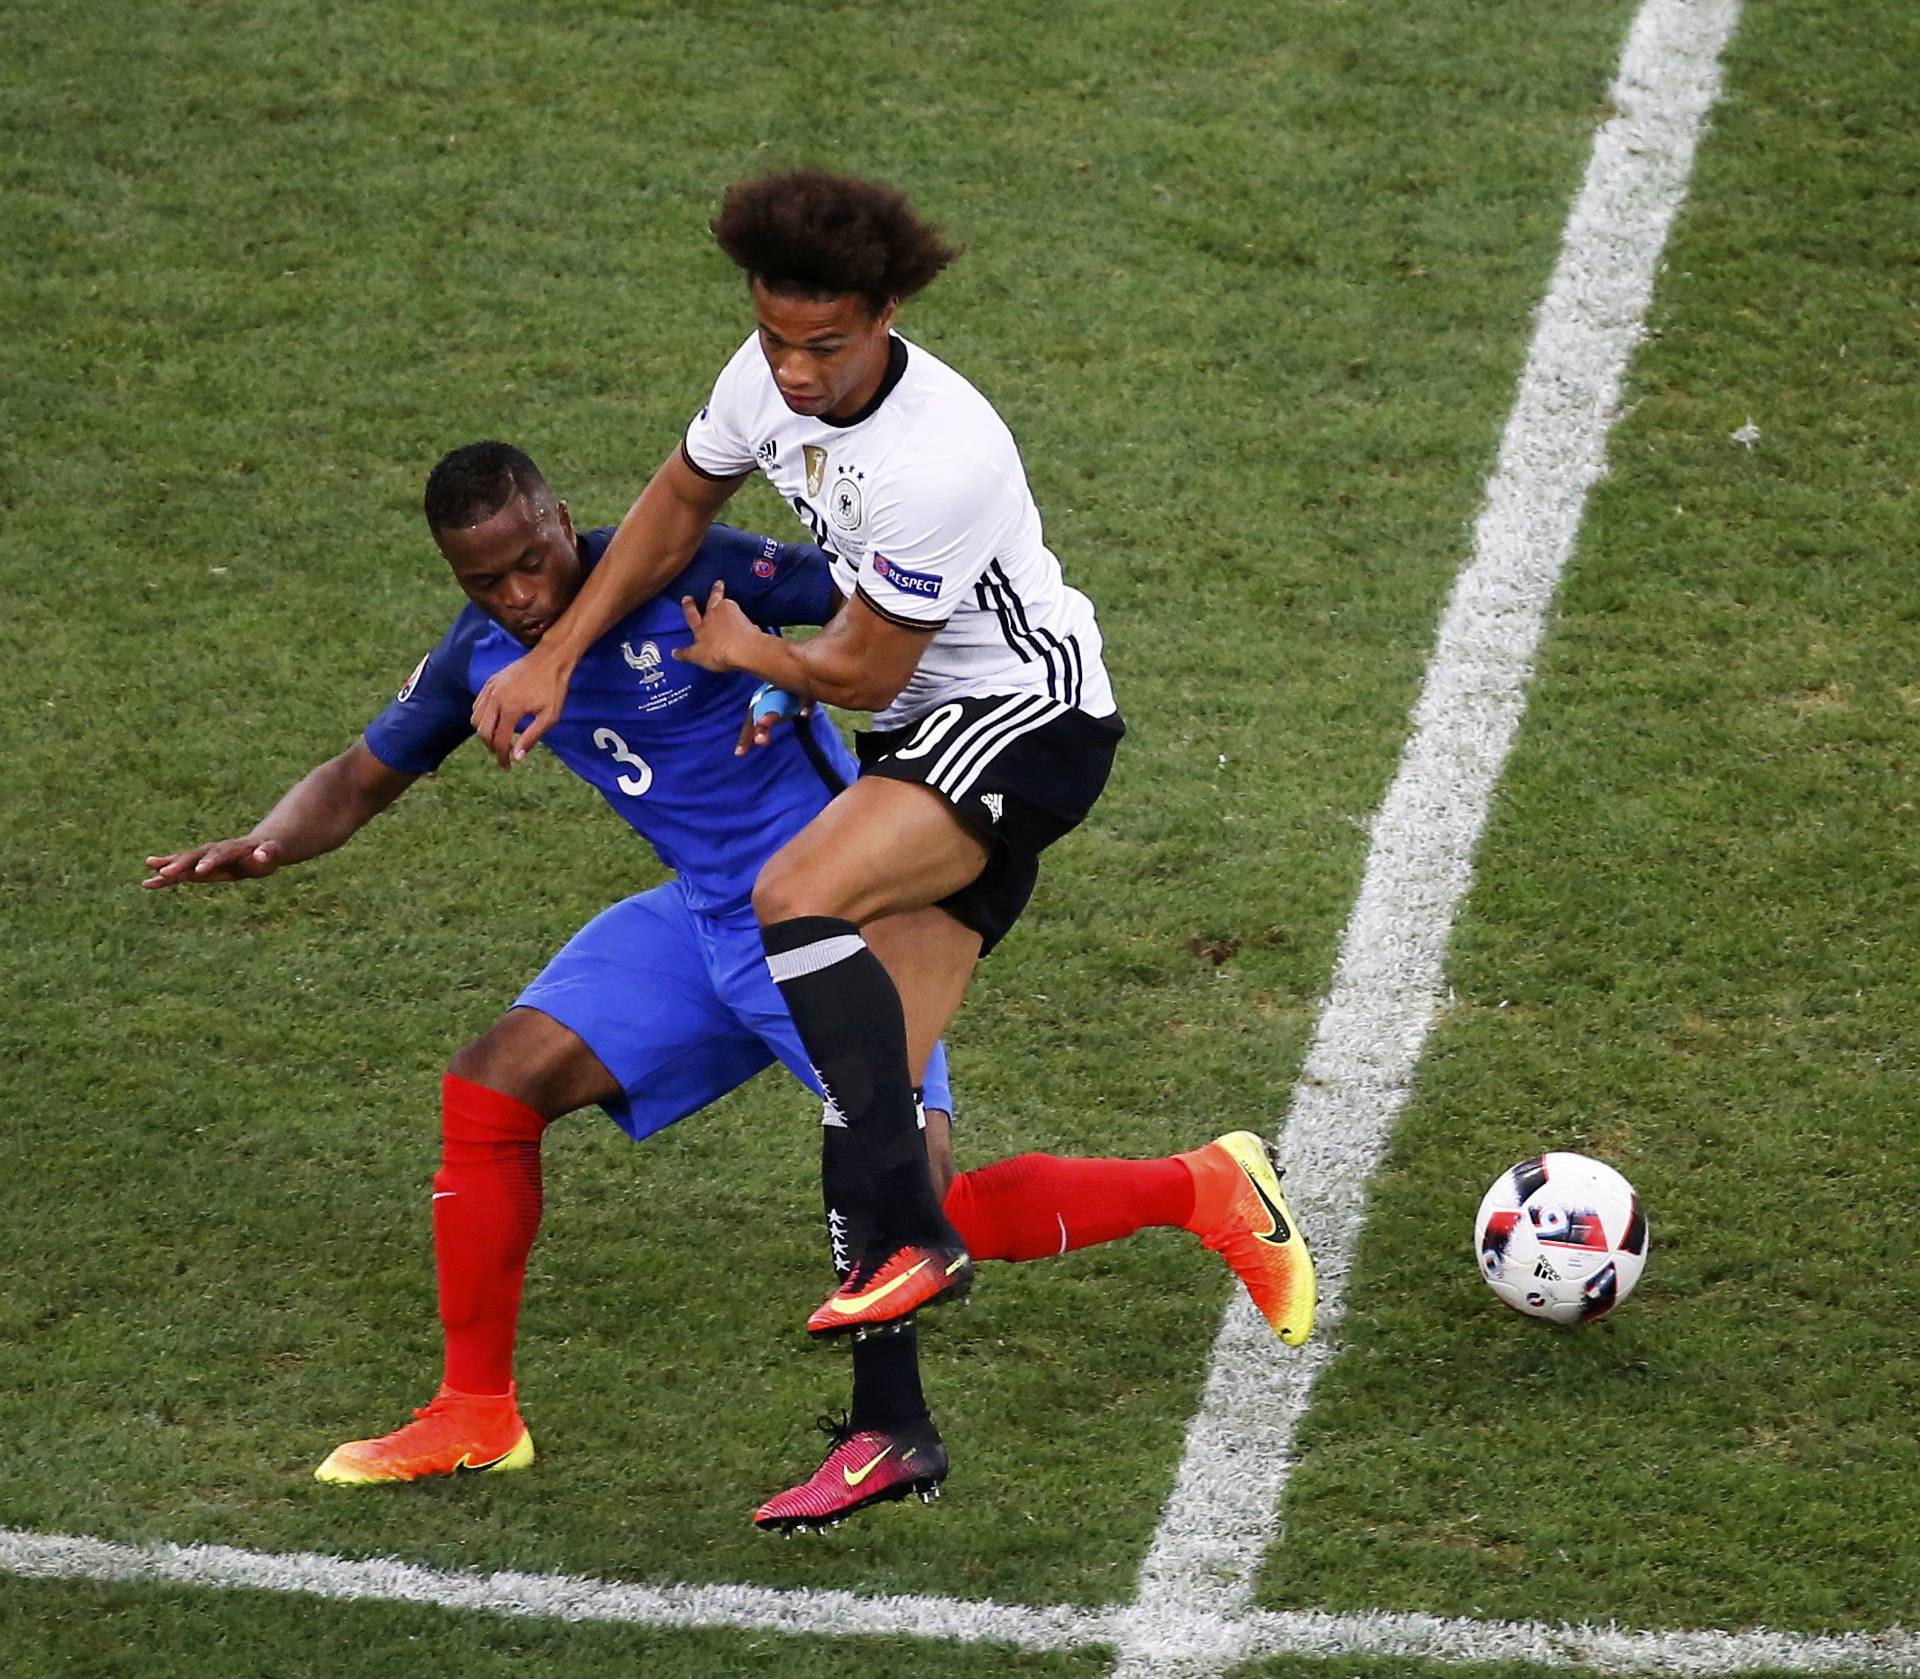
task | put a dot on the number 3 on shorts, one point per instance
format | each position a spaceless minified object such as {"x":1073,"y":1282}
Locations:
{"x":632,"y":785}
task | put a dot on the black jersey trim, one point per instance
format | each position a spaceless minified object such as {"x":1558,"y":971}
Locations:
{"x":994,"y":589}
{"x":989,"y":599}
{"x":1077,"y":677}
{"x":896,"y":371}
{"x":686,"y":455}
{"x":880,"y":611}
{"x":831,"y":778}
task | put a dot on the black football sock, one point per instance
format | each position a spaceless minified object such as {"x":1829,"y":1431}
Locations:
{"x":847,"y":1012}
{"x":886,"y":1379}
{"x":886,"y":1363}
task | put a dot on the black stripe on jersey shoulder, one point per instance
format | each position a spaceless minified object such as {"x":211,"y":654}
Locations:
{"x":880,"y":611}
{"x":686,"y":455}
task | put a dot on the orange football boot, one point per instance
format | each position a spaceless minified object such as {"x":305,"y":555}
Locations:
{"x":457,"y":1434}
{"x":1239,"y":1212}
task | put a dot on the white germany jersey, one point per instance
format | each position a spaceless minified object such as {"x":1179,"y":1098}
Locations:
{"x":924,"y":505}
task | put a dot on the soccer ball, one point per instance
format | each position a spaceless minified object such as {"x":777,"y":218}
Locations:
{"x":1561,"y":1237}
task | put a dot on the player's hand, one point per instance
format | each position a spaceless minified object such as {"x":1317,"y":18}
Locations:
{"x":208,"y":865}
{"x":720,"y":634}
{"x":519,"y":704}
{"x":763,"y":717}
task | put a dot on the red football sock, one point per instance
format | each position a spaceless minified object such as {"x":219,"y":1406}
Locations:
{"x":1037,"y":1205}
{"x":486,"y":1212}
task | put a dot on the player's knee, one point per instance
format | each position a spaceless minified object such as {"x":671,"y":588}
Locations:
{"x":780,"y":892}
{"x":480,"y":1062}
{"x":500,"y":1061}
{"x":533,"y":1059}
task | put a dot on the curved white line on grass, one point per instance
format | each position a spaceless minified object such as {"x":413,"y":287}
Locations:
{"x":565,"y":1597}
{"x":562,"y":1597}
{"x":1220,"y":1519}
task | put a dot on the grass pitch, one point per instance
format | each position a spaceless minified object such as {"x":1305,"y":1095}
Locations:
{"x":1253,"y":289}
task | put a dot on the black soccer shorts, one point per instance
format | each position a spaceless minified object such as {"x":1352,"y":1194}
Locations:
{"x":1019,"y":770}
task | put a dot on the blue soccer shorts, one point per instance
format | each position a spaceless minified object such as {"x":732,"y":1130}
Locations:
{"x":678,"y":1007}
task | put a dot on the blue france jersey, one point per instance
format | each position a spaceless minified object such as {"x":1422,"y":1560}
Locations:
{"x":654,"y":735}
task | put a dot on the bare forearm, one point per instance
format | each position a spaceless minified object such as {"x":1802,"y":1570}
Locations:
{"x":325,"y":808}
{"x":820,"y":669}
{"x":656,"y":540}
{"x":322,"y":810}
{"x":860,"y":660}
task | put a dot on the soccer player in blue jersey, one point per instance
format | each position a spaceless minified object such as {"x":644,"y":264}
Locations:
{"x":662,"y":1003}
{"x":658,"y":1006}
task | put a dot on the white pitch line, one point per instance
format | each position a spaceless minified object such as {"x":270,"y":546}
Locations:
{"x":1696,"y":1655}
{"x":571,"y":1598}
{"x":1221,"y":1516}
{"x":562,"y":1597}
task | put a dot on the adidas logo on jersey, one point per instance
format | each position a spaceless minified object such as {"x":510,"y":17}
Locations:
{"x":992,"y":802}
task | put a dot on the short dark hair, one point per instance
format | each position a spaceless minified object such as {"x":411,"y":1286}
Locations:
{"x":472,"y":483}
{"x":826,"y":235}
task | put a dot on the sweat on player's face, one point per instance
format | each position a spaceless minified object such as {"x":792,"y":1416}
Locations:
{"x":520,"y":565}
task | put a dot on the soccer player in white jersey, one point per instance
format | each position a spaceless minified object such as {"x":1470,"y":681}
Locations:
{"x":994,"y":732}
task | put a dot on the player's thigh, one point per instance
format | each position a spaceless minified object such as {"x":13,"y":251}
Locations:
{"x":880,"y":847}
{"x":635,"y":987}
{"x":929,"y":956}
{"x":535,"y":1059}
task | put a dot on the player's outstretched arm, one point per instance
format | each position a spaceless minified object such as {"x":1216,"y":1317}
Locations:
{"x":325,"y":808}
{"x":655,"y":541}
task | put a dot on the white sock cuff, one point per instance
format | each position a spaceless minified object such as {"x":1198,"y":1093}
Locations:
{"x":811,"y":958}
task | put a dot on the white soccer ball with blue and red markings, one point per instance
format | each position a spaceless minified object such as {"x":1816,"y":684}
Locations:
{"x":1561,"y":1237}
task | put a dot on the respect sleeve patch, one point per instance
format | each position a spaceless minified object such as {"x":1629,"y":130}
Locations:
{"x":922,"y":583}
